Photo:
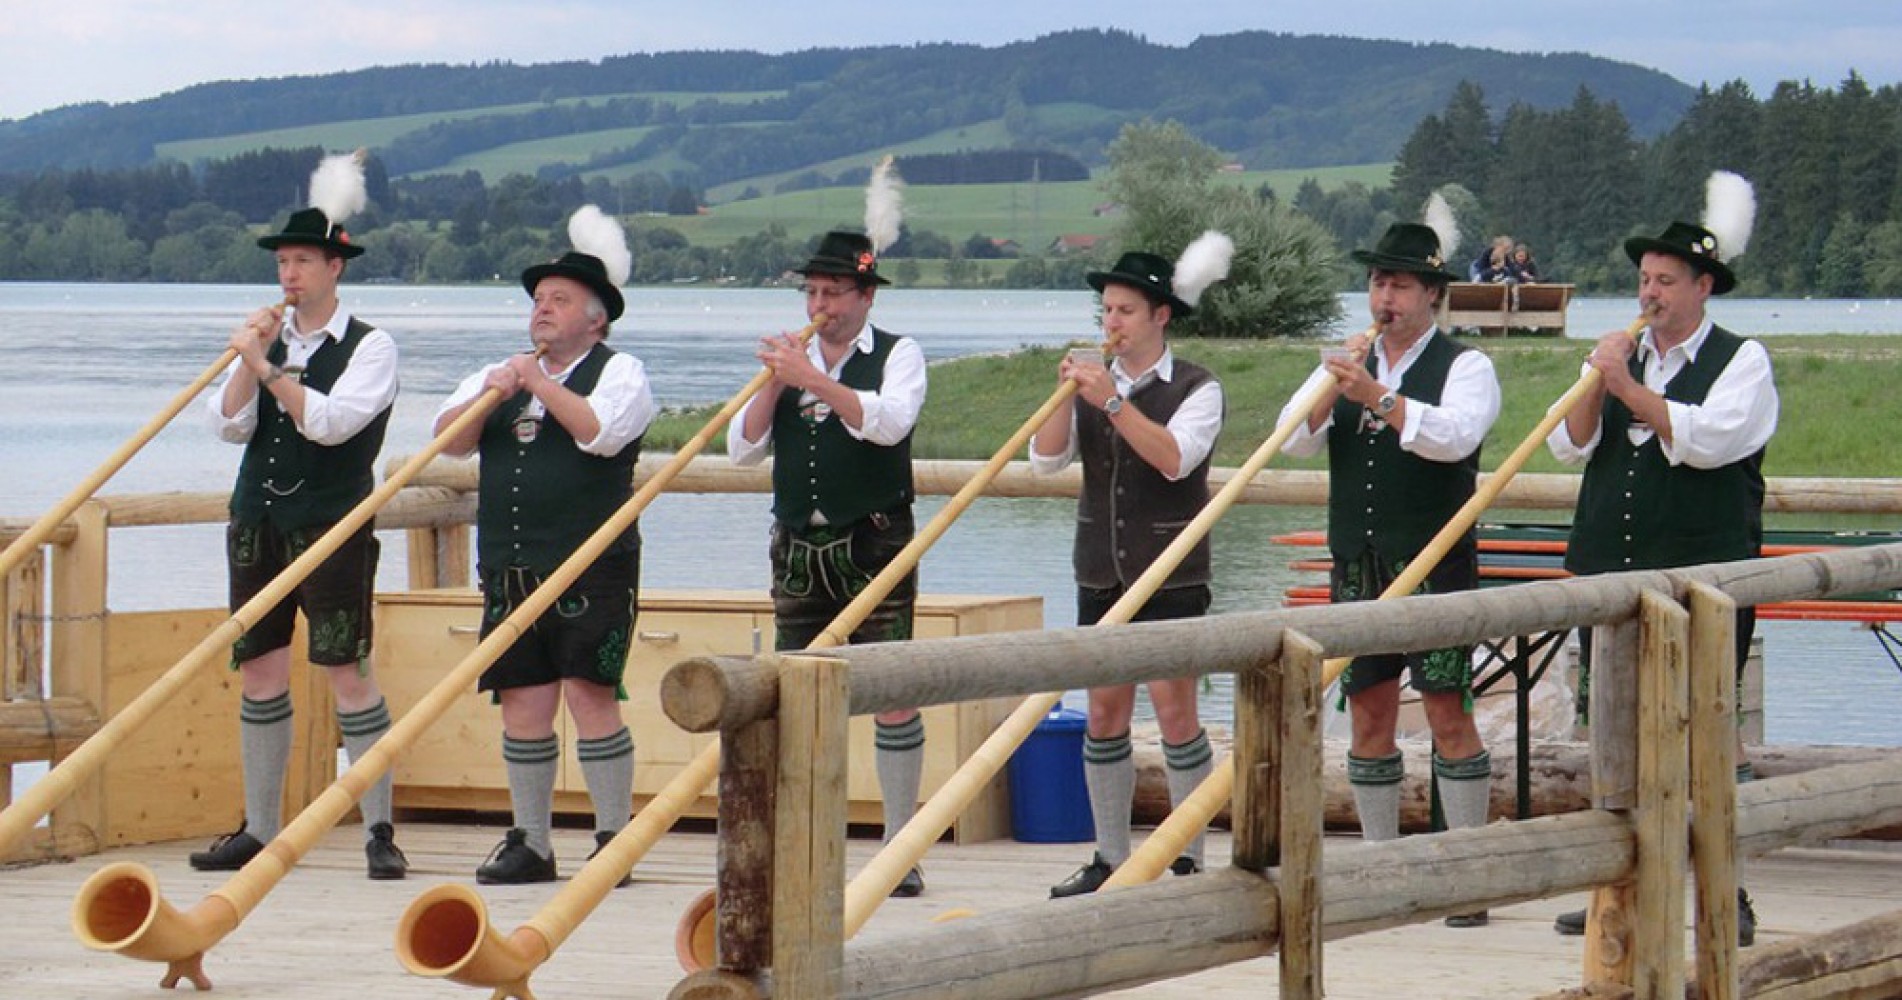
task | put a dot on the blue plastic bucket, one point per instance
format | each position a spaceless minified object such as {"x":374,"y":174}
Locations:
{"x":1049,"y":802}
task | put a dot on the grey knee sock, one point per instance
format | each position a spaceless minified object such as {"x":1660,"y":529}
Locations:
{"x":360,"y":731}
{"x":532,"y":765}
{"x":607,"y":765}
{"x":1186,"y":766}
{"x":1465,"y":788}
{"x":1376,"y":785}
{"x":1110,"y":773}
{"x":264,"y":743}
{"x":901,"y":767}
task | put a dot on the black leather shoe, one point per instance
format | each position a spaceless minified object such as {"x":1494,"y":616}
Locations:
{"x":1084,"y":880}
{"x":1746,"y":920}
{"x":1477,"y":918}
{"x":601,"y":838}
{"x":1185,"y":865}
{"x":228,"y":853}
{"x":1570,"y":923}
{"x":913,"y":884}
{"x":387,"y":862}
{"x":513,"y":862}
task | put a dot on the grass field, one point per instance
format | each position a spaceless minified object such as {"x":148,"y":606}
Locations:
{"x":374,"y":132}
{"x":975,"y":403}
{"x":527,"y":157}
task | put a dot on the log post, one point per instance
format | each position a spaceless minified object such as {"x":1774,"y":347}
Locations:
{"x":23,"y":648}
{"x":1613,"y":716}
{"x":78,"y":642}
{"x":422,"y":545}
{"x":1256,"y":758}
{"x":1713,"y":685}
{"x":1299,"y":738}
{"x":809,"y":846}
{"x":438,"y":555}
{"x":1663,"y":797}
{"x":743,"y":921}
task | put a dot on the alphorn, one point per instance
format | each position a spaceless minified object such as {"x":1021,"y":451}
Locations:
{"x":1146,"y":863}
{"x":694,"y":937}
{"x":864,"y":894}
{"x":445,"y":931}
{"x":120,"y":908}
{"x":50,"y":522}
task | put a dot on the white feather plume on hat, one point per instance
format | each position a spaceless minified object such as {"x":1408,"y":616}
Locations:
{"x":884,"y":206}
{"x":337,"y":188}
{"x":599,"y":235}
{"x":1439,"y":218}
{"x":1203,"y":263}
{"x":1730,"y":212}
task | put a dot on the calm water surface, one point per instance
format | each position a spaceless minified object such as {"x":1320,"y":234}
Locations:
{"x":83,"y":366}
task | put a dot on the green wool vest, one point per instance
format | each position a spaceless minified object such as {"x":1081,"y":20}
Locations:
{"x":1638,"y":511}
{"x":289,"y":481}
{"x":1129,"y":512}
{"x":1382,"y":497}
{"x":818,"y":464}
{"x":540,"y":499}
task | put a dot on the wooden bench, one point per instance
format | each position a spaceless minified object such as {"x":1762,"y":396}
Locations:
{"x":1496,"y":308}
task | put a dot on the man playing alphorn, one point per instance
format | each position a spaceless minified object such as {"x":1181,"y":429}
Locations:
{"x":309,"y":397}
{"x":1402,"y":430}
{"x":838,"y":416}
{"x":1143,"y":426}
{"x":1672,"y":438}
{"x":558,"y":460}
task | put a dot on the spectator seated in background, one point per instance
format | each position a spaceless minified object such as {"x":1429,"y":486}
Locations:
{"x":1476,"y":271}
{"x":1523,"y":269}
{"x":1498,"y":269}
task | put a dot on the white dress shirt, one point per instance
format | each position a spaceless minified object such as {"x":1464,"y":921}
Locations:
{"x":621,"y":401}
{"x":1447,"y":432}
{"x":366,"y":388}
{"x":890,"y":412}
{"x":1736,"y":419}
{"x":1194,"y":425}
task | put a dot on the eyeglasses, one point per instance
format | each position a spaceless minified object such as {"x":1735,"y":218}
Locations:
{"x":827,"y":291}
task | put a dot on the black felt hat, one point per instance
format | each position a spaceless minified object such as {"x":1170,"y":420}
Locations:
{"x":845,"y":255}
{"x":585,"y":268}
{"x":311,"y":227}
{"x":1145,"y":272}
{"x":1410,"y":247}
{"x":1694,"y":245}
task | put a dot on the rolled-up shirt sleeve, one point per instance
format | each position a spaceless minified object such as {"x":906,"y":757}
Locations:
{"x":467,"y":390}
{"x":238,"y":427}
{"x":1046,"y":465}
{"x":739,"y":450}
{"x":1305,"y":443}
{"x":366,"y":388}
{"x":1736,"y":419}
{"x":892,"y":411}
{"x":623,"y":402}
{"x":1456,"y":426}
{"x":1195,"y":425}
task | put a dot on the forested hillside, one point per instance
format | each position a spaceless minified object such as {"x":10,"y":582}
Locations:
{"x":708,"y":118}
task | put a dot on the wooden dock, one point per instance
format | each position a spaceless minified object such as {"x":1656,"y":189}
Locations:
{"x":327,"y":932}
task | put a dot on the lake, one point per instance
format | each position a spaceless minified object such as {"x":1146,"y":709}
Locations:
{"x":82,"y":367}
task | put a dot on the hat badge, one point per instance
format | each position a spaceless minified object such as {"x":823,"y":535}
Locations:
{"x":1434,"y":259}
{"x":866,"y":260}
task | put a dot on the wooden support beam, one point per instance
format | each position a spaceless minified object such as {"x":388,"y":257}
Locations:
{"x":1713,"y":693}
{"x":44,"y":730}
{"x":1299,"y":879}
{"x":809,"y":843}
{"x":77,"y":639}
{"x":1657,"y":968}
{"x":749,"y":778}
{"x":1614,"y":766}
{"x":23,"y":631}
{"x":1256,"y":756}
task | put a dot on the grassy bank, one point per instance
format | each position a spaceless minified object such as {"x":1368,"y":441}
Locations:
{"x":1839,"y":404}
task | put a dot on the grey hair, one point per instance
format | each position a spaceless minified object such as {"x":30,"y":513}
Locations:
{"x":595,"y":310}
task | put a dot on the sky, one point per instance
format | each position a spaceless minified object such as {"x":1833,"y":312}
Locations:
{"x":127,"y":50}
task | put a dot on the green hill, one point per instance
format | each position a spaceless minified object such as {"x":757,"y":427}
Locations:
{"x":726,"y":121}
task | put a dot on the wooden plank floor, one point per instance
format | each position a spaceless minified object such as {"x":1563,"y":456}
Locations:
{"x":327,"y":932}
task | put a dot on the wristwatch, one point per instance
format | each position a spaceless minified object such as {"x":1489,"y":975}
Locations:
{"x":1113,"y":405}
{"x":1385,"y":404}
{"x":271,"y":376}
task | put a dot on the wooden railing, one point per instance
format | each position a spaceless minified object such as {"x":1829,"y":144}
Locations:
{"x":1662,"y":744}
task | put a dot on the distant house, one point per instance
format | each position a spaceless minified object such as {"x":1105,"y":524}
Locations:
{"x":1070,"y":243}
{"x":1006,"y":247}
{"x":1231,"y":168}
